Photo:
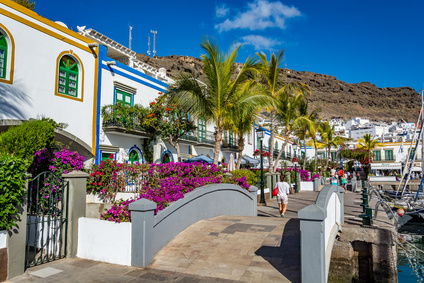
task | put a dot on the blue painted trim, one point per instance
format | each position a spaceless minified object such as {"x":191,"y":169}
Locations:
{"x":136,"y":73}
{"x":137,"y":148}
{"x":163,"y":154}
{"x":114,"y":95}
{"x":102,"y":54}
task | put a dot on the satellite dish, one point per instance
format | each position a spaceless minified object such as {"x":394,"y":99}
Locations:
{"x":62,"y":24}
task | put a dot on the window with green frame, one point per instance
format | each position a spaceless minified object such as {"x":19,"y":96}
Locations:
{"x":377,"y":155}
{"x":231,"y":140}
{"x":3,"y":56}
{"x":276,"y":146}
{"x":249,"y":137}
{"x":333,"y":156}
{"x":68,"y":76}
{"x":106,"y":156}
{"x":226,"y":136}
{"x":124,"y":97}
{"x":388,"y":154}
{"x":201,"y":124}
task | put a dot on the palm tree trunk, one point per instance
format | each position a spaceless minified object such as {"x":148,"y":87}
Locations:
{"x":218,"y":139}
{"x":240,"y":152}
{"x":281,"y":151}
{"x":304,"y":158}
{"x":271,"y":143}
{"x":279,"y":155}
{"x":316,"y":159}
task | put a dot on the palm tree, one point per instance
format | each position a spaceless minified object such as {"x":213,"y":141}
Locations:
{"x":215,"y":99}
{"x":329,"y":139}
{"x":368,"y":143}
{"x":243,"y":117}
{"x":304,"y":130}
{"x":312,"y":133}
{"x":273,"y":86}
{"x":288,"y":116}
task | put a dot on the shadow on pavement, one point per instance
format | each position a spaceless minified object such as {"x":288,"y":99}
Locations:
{"x":285,"y":257}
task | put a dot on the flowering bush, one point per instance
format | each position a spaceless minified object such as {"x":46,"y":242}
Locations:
{"x":161,"y":183}
{"x":264,"y":153}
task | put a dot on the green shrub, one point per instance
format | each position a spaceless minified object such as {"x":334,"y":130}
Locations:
{"x":24,"y":140}
{"x":250,"y":176}
{"x":12,"y":188}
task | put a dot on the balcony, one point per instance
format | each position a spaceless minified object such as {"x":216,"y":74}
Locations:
{"x":230,"y":146}
{"x":123,"y":127}
{"x":206,"y":141}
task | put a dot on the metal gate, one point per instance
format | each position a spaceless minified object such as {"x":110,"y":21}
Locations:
{"x":47,"y":219}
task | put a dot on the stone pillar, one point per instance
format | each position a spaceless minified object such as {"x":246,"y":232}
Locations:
{"x":317,"y":183}
{"x":157,"y":148}
{"x":354,"y":183}
{"x":142,"y":218}
{"x":76,"y":207}
{"x":254,"y":193}
{"x":16,"y":242}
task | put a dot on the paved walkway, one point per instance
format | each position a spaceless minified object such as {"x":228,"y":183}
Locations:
{"x":222,"y":249}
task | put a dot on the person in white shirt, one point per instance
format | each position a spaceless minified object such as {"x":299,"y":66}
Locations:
{"x":283,"y":191}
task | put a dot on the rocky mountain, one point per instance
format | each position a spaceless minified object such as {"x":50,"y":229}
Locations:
{"x":335,"y":98}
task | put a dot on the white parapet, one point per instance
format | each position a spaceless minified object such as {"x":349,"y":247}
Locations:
{"x":3,"y":236}
{"x":104,"y":241}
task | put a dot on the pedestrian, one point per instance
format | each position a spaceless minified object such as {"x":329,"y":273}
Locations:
{"x":358,"y":176}
{"x":332,"y":172}
{"x":334,"y":180}
{"x":344,"y":182}
{"x":282,"y":198}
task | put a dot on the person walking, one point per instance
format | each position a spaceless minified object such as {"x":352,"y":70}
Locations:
{"x":344,"y":182}
{"x":282,"y":198}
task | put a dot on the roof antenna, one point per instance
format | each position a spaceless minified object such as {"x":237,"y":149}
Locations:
{"x":130,"y":36}
{"x":148,"y":45}
{"x":154,"y":32}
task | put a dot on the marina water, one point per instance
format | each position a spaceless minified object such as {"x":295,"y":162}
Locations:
{"x":411,"y":257}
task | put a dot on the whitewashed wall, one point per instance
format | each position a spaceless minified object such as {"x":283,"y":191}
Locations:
{"x":104,"y":241}
{"x":33,"y":90}
{"x":3,"y":237}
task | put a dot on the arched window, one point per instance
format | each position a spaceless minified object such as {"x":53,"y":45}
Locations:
{"x":134,"y":157}
{"x":3,"y":56}
{"x":69,"y":78}
{"x":7,"y":48}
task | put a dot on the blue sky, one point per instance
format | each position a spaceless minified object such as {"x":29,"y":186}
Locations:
{"x":380,"y":41}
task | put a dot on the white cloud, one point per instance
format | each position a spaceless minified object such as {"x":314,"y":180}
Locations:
{"x":260,"y":14}
{"x":260,"y":42}
{"x":222,"y":11}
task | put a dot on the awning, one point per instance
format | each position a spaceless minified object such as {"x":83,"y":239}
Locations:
{"x":416,"y":169}
{"x":386,"y":166}
{"x":249,"y":160}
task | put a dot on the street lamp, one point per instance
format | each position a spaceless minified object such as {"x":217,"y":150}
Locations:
{"x":260,"y":133}
{"x":296,"y":187}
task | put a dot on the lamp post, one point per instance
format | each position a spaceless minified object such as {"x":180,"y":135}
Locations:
{"x":260,"y":134}
{"x":296,"y":186}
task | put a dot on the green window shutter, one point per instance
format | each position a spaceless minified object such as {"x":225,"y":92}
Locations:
{"x":202,"y":130}
{"x":276,"y":146}
{"x":68,"y":76}
{"x":389,"y":154}
{"x":124,"y":97}
{"x":3,"y":56}
{"x":226,"y":136}
{"x":377,"y":155}
{"x":106,"y":156}
{"x":231,"y":142}
{"x":411,"y":152}
{"x":249,"y":137}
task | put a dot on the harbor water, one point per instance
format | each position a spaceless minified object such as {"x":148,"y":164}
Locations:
{"x":411,"y":253}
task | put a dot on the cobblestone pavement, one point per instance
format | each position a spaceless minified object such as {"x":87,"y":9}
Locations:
{"x":221,"y":249}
